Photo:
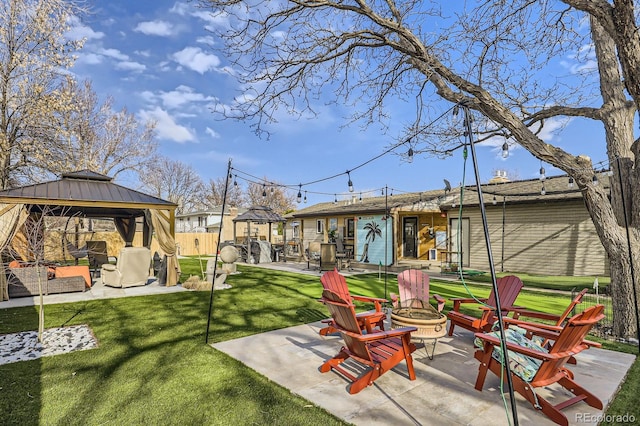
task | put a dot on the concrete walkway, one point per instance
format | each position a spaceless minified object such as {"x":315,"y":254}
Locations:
{"x":442,"y":394}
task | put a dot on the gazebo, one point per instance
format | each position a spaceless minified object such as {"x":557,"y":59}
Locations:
{"x":257,"y":215}
{"x":92,"y":195}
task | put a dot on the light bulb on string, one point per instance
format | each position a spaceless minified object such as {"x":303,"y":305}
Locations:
{"x":410,"y":155}
{"x":594,"y":179}
{"x":494,"y":201}
{"x":543,"y":191}
{"x":350,"y":184}
{"x":360,"y":199}
{"x":299,"y":197}
{"x":264,"y":190}
{"x":235,"y":180}
{"x":570,"y":183}
{"x":305,"y":197}
{"x":542,"y":174}
{"x":505,"y":150}
{"x":335,"y":199}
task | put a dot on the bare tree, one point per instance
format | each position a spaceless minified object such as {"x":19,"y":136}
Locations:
{"x":271,"y":194}
{"x":91,"y":135}
{"x":34,"y":53}
{"x":176,"y":182}
{"x":214,"y":193}
{"x":495,"y":58}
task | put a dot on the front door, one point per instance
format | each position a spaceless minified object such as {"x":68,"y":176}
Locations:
{"x":409,"y":237}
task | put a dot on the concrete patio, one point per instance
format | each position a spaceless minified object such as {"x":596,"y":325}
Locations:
{"x":442,"y":394}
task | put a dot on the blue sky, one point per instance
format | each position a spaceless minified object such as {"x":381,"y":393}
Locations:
{"x":157,"y":59}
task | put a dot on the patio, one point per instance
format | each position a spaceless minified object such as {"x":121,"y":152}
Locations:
{"x":442,"y":394}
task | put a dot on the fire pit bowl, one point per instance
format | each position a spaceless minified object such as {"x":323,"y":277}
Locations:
{"x":431,"y":324}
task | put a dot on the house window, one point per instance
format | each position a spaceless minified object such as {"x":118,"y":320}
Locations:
{"x":320,"y":226}
{"x":350,"y":228}
{"x":199,"y":221}
{"x":333,"y":224}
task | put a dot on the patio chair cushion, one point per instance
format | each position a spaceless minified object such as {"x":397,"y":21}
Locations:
{"x":523,"y":366}
{"x":74,"y":271}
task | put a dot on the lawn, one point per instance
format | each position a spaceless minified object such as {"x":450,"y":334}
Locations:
{"x":153,"y":366}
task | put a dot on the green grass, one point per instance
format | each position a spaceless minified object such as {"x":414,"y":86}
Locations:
{"x":153,"y":366}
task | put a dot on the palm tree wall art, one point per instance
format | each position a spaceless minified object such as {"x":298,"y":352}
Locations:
{"x":372,"y":233}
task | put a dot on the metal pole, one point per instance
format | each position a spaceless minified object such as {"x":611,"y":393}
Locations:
{"x":386,"y":236}
{"x":492,"y":268}
{"x":504,"y":208}
{"x":633,"y":275}
{"x":215,"y":265}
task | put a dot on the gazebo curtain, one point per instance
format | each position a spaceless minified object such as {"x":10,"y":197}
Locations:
{"x":126,"y":227}
{"x":162,"y":227}
{"x":12,"y":217}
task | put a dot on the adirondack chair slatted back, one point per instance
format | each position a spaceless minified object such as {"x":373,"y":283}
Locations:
{"x":335,"y":282}
{"x":344,"y":315}
{"x":413,"y":286}
{"x":569,"y":342}
{"x":509,"y":287}
{"x":576,"y":301}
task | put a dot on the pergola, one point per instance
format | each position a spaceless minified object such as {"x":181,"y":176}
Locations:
{"x":92,"y":195}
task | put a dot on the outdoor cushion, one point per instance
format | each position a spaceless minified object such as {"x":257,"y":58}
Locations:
{"x":523,"y":366}
{"x":74,"y":271}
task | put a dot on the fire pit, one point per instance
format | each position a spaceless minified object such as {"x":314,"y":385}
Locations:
{"x":431,"y":324}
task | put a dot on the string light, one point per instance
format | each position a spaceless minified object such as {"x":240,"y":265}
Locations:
{"x":235,"y":180}
{"x":494,"y":201}
{"x":542,"y":174}
{"x":350,"y":183}
{"x":594,"y":179}
{"x":505,"y":150}
{"x":299,"y":197}
{"x":570,"y":184}
{"x":543,"y":191}
{"x":335,"y":199}
{"x":264,"y":190}
{"x":410,"y":155}
{"x":305,"y":197}
{"x":360,"y":199}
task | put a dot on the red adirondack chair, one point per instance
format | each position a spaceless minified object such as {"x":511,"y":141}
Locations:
{"x":508,"y":289}
{"x":413,"y":289}
{"x":334,"y":281}
{"x":532,"y":366}
{"x":552,"y":326}
{"x":377,"y":352}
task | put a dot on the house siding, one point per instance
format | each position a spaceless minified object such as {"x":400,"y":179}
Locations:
{"x":550,"y":239}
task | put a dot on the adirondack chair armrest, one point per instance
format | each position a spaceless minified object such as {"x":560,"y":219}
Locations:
{"x":527,"y":325}
{"x":459,"y":300}
{"x":377,"y":301}
{"x":394,"y":299}
{"x":440,"y":300}
{"x":517,"y":313}
{"x":371,"y":337}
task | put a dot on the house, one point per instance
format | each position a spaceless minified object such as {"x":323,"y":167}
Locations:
{"x":530,"y":231}
{"x":537,"y":227}
{"x":378,"y":230}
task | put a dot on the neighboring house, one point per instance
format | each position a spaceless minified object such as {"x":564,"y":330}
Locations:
{"x":208,"y":221}
{"x":530,"y":232}
{"x":550,"y":233}
{"x":378,"y":229}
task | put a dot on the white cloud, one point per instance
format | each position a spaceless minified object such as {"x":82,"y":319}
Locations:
{"x":143,"y":53}
{"x":167,"y":127}
{"x":131,"y":66}
{"x":113,"y":53}
{"x":197,"y":60}
{"x":208,"y":40}
{"x":90,"y":59}
{"x":157,"y":28}
{"x":77,"y":31}
{"x":180,"y":8}
{"x":212,"y":133}
{"x":180,"y":97}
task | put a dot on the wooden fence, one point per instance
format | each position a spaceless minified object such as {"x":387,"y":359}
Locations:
{"x":55,"y":245}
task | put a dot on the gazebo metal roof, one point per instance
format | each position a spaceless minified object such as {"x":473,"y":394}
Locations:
{"x":85,"y":192}
{"x":260,"y":214}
